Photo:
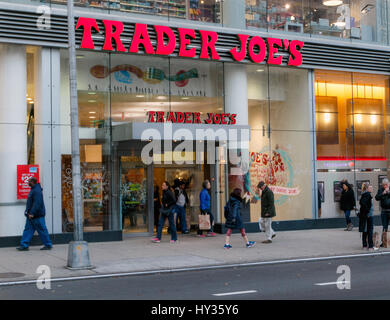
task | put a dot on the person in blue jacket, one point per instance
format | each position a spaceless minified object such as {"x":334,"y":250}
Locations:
{"x":205,"y":208}
{"x":233,"y":219}
{"x":35,"y":218}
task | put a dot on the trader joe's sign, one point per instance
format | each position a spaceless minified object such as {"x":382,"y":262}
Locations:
{"x":167,"y":40}
{"x":23,"y":174}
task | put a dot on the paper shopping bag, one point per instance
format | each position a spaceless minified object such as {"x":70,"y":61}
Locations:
{"x":204,"y":222}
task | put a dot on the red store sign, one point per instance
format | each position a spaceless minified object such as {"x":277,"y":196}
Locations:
{"x":23,"y":174}
{"x":255,"y":47}
{"x":191,"y":117}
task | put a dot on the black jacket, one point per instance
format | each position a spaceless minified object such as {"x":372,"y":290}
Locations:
{"x":234,"y":221}
{"x":347,"y":200}
{"x":35,"y":205}
{"x":383,"y":198}
{"x":267,"y":203}
{"x":365,"y":206}
{"x":168,"y":199}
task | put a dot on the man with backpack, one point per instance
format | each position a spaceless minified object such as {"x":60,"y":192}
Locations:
{"x":233,"y":219}
{"x":181,"y":204}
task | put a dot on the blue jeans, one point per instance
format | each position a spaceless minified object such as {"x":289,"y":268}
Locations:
{"x":32,"y":225}
{"x":181,"y":215}
{"x":172,"y":226}
{"x":385,"y":220}
{"x":347,"y":216}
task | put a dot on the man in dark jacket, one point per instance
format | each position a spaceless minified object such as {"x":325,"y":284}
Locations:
{"x":267,"y":210}
{"x":35,"y":218}
{"x":383,"y":196}
{"x":347,"y":203}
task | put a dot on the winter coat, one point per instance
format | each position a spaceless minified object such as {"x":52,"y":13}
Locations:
{"x":205,"y":200}
{"x":234,"y":221}
{"x":267,"y":203}
{"x":347,"y":200}
{"x":35,"y":205}
{"x":365,"y":209}
{"x":384,"y":199}
{"x":168,"y":199}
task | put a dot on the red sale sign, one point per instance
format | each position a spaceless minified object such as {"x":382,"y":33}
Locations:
{"x":24,"y":173}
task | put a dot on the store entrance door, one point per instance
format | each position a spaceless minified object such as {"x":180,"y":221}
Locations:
{"x":135,"y":204}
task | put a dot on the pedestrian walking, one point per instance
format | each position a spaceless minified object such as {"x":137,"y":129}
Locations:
{"x":35,"y":218}
{"x":267,"y":211}
{"x":319,"y":195}
{"x":366,"y":217}
{"x":233,"y":219}
{"x":383,"y":195}
{"x":167,"y":212}
{"x":205,"y":208}
{"x":347,"y":203}
{"x":181,"y":204}
{"x":157,"y":206}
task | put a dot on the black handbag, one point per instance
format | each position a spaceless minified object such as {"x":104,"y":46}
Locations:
{"x":165,"y":212}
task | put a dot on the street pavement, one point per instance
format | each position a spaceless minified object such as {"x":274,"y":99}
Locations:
{"x":369,"y":279}
{"x":140,"y":254}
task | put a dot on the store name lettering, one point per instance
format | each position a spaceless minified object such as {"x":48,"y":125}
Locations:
{"x":255,"y":48}
{"x":191,"y":117}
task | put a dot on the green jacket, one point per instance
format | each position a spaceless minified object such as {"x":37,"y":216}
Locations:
{"x":267,"y":204}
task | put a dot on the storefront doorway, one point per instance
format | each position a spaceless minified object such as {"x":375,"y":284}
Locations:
{"x":139,"y":185}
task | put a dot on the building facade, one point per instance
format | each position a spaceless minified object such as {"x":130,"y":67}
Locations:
{"x":294,"y":93}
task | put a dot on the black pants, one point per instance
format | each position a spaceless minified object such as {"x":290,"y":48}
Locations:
{"x":367,"y":236}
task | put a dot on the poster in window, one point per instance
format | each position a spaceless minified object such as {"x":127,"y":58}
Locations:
{"x":321,"y":189}
{"x":337,"y":189}
{"x":92,"y":186}
{"x":359,"y":187}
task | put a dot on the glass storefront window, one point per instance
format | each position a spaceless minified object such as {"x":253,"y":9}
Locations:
{"x":352,"y":144}
{"x":285,"y":16}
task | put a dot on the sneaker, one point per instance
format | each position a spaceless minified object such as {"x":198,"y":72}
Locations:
{"x":201,"y":236}
{"x":227,"y":246}
{"x":22,"y":248}
{"x":173,"y":241}
{"x":250,"y":244}
{"x":274,"y":235}
{"x":211,"y":234}
{"x":267,"y":241}
{"x":156,"y":240}
{"x":46,"y":248}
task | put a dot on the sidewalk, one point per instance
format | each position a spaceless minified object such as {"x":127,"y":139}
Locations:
{"x":140,"y":254}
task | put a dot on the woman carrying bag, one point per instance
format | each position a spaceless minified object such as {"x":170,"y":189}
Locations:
{"x":168,"y":204}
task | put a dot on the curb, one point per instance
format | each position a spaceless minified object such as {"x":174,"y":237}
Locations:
{"x":200,"y":268}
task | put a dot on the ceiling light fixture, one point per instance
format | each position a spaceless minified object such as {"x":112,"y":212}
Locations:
{"x":332,"y":3}
{"x":140,"y":96}
{"x":91,"y":101}
{"x":91,"y":93}
{"x":92,"y":112}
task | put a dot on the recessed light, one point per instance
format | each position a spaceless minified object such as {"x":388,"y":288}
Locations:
{"x":161,"y":97}
{"x":185,"y":98}
{"x":331,"y":3}
{"x":92,"y":101}
{"x":92,"y":112}
{"x":79,"y":56}
{"x":91,"y":93}
{"x":260,"y":70}
{"x":92,"y":117}
{"x":31,"y":102}
{"x":140,"y":96}
{"x":29,"y":99}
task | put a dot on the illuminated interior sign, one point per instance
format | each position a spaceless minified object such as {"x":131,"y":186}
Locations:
{"x":191,"y":117}
{"x":254,"y":48}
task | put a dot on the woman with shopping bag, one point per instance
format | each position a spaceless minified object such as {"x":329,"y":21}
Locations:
{"x":206,"y":218}
{"x":168,"y":204}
